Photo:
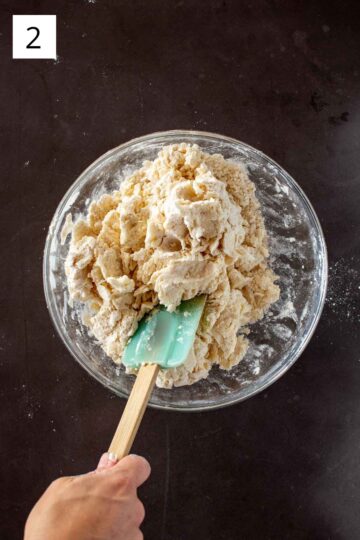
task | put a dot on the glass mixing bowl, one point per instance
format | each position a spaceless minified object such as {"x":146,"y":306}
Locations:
{"x":298,"y":257}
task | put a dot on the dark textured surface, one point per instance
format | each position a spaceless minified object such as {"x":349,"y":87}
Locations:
{"x":280,"y":75}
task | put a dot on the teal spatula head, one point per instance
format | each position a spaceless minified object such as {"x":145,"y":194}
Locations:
{"x":165,"y":338}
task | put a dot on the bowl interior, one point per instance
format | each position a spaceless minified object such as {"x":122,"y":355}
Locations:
{"x":298,"y":257}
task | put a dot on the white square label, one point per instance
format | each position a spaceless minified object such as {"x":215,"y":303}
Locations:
{"x":34,"y":36}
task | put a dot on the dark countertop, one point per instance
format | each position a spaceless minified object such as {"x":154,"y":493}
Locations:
{"x":280,"y":75}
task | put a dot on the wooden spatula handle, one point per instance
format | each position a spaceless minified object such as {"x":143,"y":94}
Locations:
{"x":134,"y":411}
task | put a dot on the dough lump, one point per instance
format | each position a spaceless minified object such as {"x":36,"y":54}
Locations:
{"x":184,"y":224}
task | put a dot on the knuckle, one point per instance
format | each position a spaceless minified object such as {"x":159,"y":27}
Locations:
{"x":125,"y":482}
{"x":139,"y":511}
{"x":58,"y":482}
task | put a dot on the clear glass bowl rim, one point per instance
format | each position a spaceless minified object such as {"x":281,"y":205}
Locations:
{"x":181,"y":133}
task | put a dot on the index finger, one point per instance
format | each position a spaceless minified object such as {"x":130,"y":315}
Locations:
{"x":137,"y":467}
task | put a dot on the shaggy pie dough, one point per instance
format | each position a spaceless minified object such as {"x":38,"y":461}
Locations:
{"x":187,"y":223}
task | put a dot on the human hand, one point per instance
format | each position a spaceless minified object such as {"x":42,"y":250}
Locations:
{"x":101,"y":505}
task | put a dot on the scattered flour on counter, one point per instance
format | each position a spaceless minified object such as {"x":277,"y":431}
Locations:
{"x":343,"y":297}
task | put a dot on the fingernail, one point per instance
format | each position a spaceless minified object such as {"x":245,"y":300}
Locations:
{"x":106,"y":460}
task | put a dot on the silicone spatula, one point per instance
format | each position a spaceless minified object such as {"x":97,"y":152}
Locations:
{"x":162,"y":340}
